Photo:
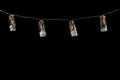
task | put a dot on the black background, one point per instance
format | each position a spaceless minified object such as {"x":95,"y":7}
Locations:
{"x":91,"y":44}
{"x":58,"y":35}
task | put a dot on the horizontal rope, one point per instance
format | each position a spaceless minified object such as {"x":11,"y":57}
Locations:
{"x":57,"y":19}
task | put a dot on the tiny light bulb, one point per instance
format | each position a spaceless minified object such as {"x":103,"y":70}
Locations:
{"x":103,"y":25}
{"x":42,"y":32}
{"x":12,"y":24}
{"x":73,"y":29}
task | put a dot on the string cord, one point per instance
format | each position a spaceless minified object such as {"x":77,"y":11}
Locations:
{"x":57,"y":19}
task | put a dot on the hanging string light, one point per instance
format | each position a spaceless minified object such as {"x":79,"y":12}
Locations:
{"x":103,"y":25}
{"x":72,"y":26}
{"x":12,"y":24}
{"x":42,"y":32}
{"x":73,"y":30}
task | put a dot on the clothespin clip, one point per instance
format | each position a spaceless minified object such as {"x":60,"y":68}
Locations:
{"x":73,"y":29}
{"x":12,"y":24}
{"x":42,"y":32}
{"x":103,"y":25}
